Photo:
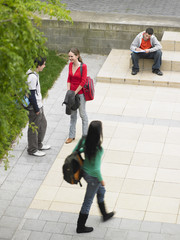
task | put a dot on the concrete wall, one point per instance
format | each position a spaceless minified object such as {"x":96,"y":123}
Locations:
{"x":98,"y":35}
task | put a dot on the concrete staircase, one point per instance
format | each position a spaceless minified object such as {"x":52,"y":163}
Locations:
{"x":117,"y":67}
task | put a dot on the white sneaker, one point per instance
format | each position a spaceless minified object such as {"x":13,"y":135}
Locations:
{"x":45,"y":147}
{"x":39,"y":153}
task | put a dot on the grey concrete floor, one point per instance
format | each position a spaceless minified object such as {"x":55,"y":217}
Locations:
{"x":20,"y":183}
{"x":130,"y":7}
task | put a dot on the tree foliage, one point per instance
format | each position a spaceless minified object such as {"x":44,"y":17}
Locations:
{"x":20,"y":43}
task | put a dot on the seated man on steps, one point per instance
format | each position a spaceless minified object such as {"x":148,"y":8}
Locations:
{"x":146,"y":45}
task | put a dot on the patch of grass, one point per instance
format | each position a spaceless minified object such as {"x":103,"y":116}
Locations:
{"x":54,"y":65}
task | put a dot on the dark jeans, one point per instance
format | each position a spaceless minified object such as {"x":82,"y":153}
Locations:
{"x":153,"y":55}
{"x":94,"y":187}
{"x":35,"y":138}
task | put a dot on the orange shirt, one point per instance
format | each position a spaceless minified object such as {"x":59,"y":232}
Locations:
{"x":145,"y":44}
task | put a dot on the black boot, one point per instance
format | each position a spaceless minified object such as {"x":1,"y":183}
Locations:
{"x":81,"y":228}
{"x":106,"y":216}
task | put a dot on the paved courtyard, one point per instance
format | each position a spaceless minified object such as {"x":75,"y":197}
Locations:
{"x":141,"y":163}
{"x":130,"y":7}
{"x":141,"y":168}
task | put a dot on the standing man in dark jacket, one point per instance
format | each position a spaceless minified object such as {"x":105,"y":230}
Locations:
{"x":36,"y":113}
{"x":146,"y":45}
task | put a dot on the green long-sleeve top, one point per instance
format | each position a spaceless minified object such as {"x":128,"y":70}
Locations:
{"x":93,"y":167}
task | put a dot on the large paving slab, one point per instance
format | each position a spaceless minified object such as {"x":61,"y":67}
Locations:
{"x":116,"y":69}
{"x":136,"y":7}
{"x":171,"y":41}
{"x":141,"y":160}
{"x":141,"y":164}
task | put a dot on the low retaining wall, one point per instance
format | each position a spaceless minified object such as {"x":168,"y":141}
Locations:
{"x":99,"y":33}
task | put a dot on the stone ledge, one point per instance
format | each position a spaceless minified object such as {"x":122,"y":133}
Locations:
{"x":115,"y":18}
{"x":116,"y":69}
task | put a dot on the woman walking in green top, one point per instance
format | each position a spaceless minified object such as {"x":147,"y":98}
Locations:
{"x":91,"y":146}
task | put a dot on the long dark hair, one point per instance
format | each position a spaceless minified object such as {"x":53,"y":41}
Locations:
{"x":77,"y":53}
{"x":94,"y":139}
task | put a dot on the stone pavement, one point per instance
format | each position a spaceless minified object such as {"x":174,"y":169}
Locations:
{"x":158,"y":8}
{"x":118,"y":65}
{"x":141,"y":168}
{"x":19,"y":184}
{"x":141,"y":165}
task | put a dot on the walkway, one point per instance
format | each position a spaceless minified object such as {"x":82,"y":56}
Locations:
{"x":140,"y":166}
{"x":130,"y":7}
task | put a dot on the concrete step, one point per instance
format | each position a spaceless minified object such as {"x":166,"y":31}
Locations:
{"x":116,"y":70}
{"x":170,"y":62}
{"x":171,"y":41}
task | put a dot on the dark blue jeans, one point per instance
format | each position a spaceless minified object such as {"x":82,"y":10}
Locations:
{"x":157,"y":56}
{"x":93,"y":187}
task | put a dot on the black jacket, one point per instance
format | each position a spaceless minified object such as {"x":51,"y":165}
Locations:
{"x":72,"y":101}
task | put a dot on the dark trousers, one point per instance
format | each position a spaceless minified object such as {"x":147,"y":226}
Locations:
{"x":157,"y":56}
{"x":94,"y":187}
{"x":36,"y":130}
